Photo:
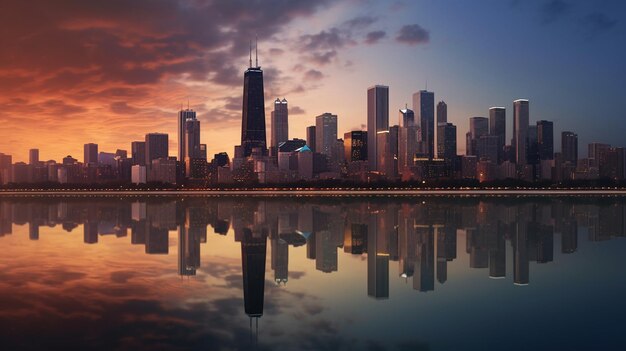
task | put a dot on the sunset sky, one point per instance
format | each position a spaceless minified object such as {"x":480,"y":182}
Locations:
{"x":108,"y":72}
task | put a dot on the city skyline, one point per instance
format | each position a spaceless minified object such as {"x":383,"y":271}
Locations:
{"x":112,"y":97}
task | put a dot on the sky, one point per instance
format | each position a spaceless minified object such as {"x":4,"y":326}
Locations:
{"x":108,"y":72}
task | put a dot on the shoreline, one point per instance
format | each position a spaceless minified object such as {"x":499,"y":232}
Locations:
{"x":320,"y":193}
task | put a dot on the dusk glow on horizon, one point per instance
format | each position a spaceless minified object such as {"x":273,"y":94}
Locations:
{"x":75,"y":72}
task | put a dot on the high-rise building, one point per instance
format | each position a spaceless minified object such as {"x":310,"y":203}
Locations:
{"x":183,"y":117}
{"x":90,"y":154}
{"x":387,"y":143}
{"x":156,"y":147}
{"x":497,"y":127}
{"x":479,"y":127}
{"x":311,"y":138}
{"x":424,"y":107}
{"x":138,"y":152}
{"x":569,"y":147}
{"x":377,"y":120}
{"x":355,"y":145}
{"x":408,"y":146}
{"x":545,"y":140}
{"x":280,"y":123}
{"x":33,"y":157}
{"x":446,"y":141}
{"x":442,"y":112}
{"x":521,"y":115}
{"x":253,"y":114}
{"x":406,"y":118}
{"x":326,"y":133}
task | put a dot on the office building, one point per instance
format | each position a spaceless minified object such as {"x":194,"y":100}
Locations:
{"x":446,"y":141}
{"x":326,"y":134}
{"x":280,"y":123}
{"x":138,"y":152}
{"x":33,"y":157}
{"x":424,"y":108}
{"x":355,"y":146}
{"x":406,"y":118}
{"x":183,"y":117}
{"x":442,"y":112}
{"x":156,"y":146}
{"x":90,"y":154}
{"x":545,"y":140}
{"x":521,"y":115}
{"x":253,"y":113}
{"x":497,"y":127}
{"x":569,"y":147}
{"x":377,"y":120}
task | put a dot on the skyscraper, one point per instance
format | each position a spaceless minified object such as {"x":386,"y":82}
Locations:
{"x":156,"y":147}
{"x":424,"y":107}
{"x":280,"y":123}
{"x":442,"y":112}
{"x":326,"y":133}
{"x":377,"y":120}
{"x":253,"y":114}
{"x":90,"y":154}
{"x":138,"y":152}
{"x":446,"y":141}
{"x":497,"y":127}
{"x":183,"y":116}
{"x":311,"y":138}
{"x":406,"y":118}
{"x":355,"y":145}
{"x":479,"y":127}
{"x":33,"y":156}
{"x":545,"y":140}
{"x":569,"y":147}
{"x":520,"y":129}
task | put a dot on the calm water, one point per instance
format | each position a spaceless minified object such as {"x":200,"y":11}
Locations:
{"x":313,"y":273}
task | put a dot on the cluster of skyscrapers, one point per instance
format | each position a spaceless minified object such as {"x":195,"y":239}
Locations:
{"x":422,"y":146}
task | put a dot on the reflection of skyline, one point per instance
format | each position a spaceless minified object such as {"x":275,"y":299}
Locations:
{"x":421,"y":237}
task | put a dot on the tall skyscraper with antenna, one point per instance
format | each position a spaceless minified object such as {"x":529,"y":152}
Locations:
{"x":184,"y":115}
{"x":253,"y":115}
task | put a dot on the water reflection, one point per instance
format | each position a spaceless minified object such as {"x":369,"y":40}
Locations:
{"x":420,"y":238}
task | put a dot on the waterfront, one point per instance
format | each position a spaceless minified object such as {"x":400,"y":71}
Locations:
{"x":329,"y":273}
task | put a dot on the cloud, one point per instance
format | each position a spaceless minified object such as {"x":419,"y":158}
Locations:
{"x":413,"y":34}
{"x":596,"y":23}
{"x":327,"y":39}
{"x":296,"y":110}
{"x":374,"y":37}
{"x":552,"y":10}
{"x":323,"y":58}
{"x":313,"y":74}
{"x":360,"y":22}
{"x":122,"y":108}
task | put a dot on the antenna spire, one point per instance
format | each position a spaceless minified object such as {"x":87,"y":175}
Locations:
{"x":250,"y":54}
{"x":188,"y":104}
{"x":256,"y":50}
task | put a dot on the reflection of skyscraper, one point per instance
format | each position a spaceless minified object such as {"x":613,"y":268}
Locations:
{"x":520,"y":254}
{"x":569,"y":237}
{"x":90,"y":232}
{"x":424,"y":278}
{"x":446,"y":251}
{"x":497,"y":258}
{"x":280,"y":260}
{"x":253,"y":114}
{"x":253,"y":254}
{"x":378,"y":257}
{"x":157,"y":240}
{"x":326,"y":252}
